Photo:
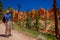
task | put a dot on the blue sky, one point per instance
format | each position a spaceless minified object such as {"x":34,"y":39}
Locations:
{"x":29,"y":4}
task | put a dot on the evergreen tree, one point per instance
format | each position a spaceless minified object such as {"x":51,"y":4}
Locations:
{"x":1,"y":9}
{"x":37,"y":21}
{"x":28,"y":24}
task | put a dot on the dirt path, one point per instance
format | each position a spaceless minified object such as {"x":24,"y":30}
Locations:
{"x":15,"y":35}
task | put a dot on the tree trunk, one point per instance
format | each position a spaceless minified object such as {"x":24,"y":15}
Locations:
{"x":56,"y":21}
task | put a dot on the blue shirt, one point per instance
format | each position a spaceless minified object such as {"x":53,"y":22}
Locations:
{"x":8,"y":17}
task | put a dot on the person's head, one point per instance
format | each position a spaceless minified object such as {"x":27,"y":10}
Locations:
{"x":7,"y":11}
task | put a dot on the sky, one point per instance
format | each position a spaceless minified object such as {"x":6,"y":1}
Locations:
{"x":29,"y":4}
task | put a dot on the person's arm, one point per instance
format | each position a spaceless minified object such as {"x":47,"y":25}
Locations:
{"x":5,"y":18}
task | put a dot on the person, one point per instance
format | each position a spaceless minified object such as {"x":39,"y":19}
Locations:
{"x":8,"y":23}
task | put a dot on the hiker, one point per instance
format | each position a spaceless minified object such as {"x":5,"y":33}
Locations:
{"x":8,"y":23}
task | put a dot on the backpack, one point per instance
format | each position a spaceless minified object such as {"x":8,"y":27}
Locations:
{"x":4,"y":19}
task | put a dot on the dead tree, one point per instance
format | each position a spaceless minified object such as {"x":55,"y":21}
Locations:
{"x":56,"y":20}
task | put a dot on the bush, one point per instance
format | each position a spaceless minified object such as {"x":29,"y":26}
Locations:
{"x":36,"y":34}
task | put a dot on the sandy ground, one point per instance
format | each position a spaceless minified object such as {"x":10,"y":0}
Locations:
{"x":15,"y":35}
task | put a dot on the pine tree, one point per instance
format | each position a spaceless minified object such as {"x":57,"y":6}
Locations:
{"x":37,"y":21}
{"x":1,"y":9}
{"x":28,"y":24}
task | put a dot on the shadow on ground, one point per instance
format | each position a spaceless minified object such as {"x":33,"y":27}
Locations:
{"x":3,"y":35}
